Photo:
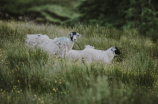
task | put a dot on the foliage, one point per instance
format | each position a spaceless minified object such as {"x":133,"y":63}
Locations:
{"x":54,"y":11}
{"x":31,"y":76}
{"x":140,"y":14}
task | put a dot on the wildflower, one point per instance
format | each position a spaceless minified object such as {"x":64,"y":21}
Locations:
{"x":14,"y":87}
{"x":55,"y":81}
{"x":54,"y":89}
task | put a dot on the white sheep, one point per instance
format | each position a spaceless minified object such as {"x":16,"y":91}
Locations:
{"x":66,"y":43}
{"x":90,"y":55}
{"x":33,"y":39}
{"x":58,"y":46}
{"x":76,"y":55}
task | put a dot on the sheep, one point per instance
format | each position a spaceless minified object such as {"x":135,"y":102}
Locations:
{"x":67,"y":42}
{"x":90,"y":55}
{"x":76,"y":55}
{"x":58,"y":46}
{"x":33,"y":39}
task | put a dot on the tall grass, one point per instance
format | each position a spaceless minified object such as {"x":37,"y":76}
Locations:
{"x":31,"y":76}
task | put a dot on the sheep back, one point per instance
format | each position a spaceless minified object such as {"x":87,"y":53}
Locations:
{"x":89,"y":55}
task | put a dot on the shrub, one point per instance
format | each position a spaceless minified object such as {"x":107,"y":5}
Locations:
{"x":132,"y":13}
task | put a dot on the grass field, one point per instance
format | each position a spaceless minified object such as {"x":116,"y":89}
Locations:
{"x":32,"y":77}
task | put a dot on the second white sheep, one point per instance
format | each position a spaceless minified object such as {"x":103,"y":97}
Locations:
{"x":90,"y":55}
{"x":76,"y":55}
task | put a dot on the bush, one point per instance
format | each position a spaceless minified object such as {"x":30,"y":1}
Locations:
{"x":138,"y":14}
{"x":54,"y":11}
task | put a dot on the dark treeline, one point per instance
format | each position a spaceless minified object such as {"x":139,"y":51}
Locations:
{"x":140,"y":14}
{"x":54,"y":11}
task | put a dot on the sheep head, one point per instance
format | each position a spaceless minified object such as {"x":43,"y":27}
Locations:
{"x":73,"y":36}
{"x":116,"y":50}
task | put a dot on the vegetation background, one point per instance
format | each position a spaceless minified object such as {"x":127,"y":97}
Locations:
{"x":140,"y":14}
{"x":29,"y":76}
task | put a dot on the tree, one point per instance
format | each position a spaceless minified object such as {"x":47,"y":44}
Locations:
{"x":140,"y":14}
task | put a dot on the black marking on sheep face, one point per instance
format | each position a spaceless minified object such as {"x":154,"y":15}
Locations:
{"x":72,"y":39}
{"x":117,"y":51}
{"x":73,"y":36}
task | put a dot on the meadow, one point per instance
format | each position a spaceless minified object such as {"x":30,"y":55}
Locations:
{"x":30,"y":76}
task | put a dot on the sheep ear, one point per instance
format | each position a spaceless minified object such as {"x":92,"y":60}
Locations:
{"x":113,"y":49}
{"x":69,"y":34}
{"x":78,"y":35}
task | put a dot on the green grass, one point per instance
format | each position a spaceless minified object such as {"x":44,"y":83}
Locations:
{"x":30,"y":76}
